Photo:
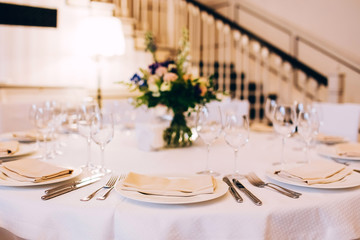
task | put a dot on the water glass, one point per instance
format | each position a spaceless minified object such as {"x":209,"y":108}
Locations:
{"x":86,"y":112}
{"x":308,"y":124}
{"x":285,"y":124}
{"x":102,"y":132}
{"x":209,"y":127}
{"x":236,"y":133}
{"x":44,"y":121}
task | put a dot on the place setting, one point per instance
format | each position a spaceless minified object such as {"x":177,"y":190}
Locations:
{"x":164,"y":189}
{"x":34,"y":172}
{"x":11,"y":149}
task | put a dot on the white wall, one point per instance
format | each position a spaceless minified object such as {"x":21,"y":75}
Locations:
{"x":47,"y":56}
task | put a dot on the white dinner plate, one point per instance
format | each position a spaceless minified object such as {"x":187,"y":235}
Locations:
{"x":24,"y":150}
{"x":330,"y":152}
{"x":220,"y":190}
{"x":8,"y":182}
{"x":352,"y":180}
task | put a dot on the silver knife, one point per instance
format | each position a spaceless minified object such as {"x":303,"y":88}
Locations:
{"x":232,"y":190}
{"x":247,"y":192}
{"x":69,"y":189}
{"x":67,"y":185}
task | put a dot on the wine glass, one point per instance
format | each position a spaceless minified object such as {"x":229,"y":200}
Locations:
{"x":236,"y":132}
{"x":102,"y":132}
{"x":308,"y":124}
{"x":44,"y":121}
{"x":209,"y":127}
{"x":84,"y":117}
{"x":285,"y":124}
{"x":270,"y":105}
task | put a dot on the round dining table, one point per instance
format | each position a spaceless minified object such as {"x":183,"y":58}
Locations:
{"x":318,"y":214}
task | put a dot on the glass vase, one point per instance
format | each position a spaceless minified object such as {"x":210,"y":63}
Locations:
{"x":178,"y":134}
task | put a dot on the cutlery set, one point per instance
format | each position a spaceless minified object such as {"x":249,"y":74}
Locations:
{"x":74,"y":185}
{"x":257,"y":182}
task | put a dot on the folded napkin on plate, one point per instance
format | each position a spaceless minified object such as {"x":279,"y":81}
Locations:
{"x":319,"y":172}
{"x":180,"y":187}
{"x":260,"y":127}
{"x":348,"y":149}
{"x":30,"y":135}
{"x":8,"y":148}
{"x":33,"y":170}
{"x":328,"y":138}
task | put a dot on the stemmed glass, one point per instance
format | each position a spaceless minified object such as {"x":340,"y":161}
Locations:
{"x":209,"y":127}
{"x":308,"y":124}
{"x":85,"y":114}
{"x":236,"y":132}
{"x":270,"y":105}
{"x":102,"y":132}
{"x":44,"y":121}
{"x":285,"y":124}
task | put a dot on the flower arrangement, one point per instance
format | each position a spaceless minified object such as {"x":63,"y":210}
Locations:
{"x":169,"y":84}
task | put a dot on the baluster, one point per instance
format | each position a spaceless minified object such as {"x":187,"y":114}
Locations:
{"x":238,"y":63}
{"x":136,"y":11}
{"x":205,"y":44}
{"x":144,"y":14}
{"x":245,"y":65}
{"x":163,"y":16}
{"x":278,"y":66}
{"x":124,"y":8}
{"x":198,"y":39}
{"x":155,"y":19}
{"x":289,"y":81}
{"x":265,"y":75}
{"x":220,"y":34}
{"x":212,"y":46}
{"x":257,"y":81}
{"x":171,"y":23}
{"x":227,"y":57}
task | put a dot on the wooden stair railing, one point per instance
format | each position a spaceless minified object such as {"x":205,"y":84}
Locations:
{"x":244,"y":65}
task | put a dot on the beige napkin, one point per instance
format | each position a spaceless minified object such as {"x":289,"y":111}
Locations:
{"x":181,"y":187}
{"x":319,"y":172}
{"x":30,"y":135}
{"x":33,"y":170}
{"x":8,"y":148}
{"x":260,"y":127}
{"x":348,"y":149}
{"x":328,"y":138}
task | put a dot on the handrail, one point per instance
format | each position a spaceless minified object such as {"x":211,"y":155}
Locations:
{"x":329,"y":54}
{"x":321,"y":79}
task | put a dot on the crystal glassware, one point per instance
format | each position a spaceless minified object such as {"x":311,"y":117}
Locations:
{"x":236,"y":134}
{"x":44,"y":121}
{"x":308,"y":124}
{"x":285,"y":124}
{"x":270,"y":105}
{"x":102,"y":132}
{"x":86,"y":112}
{"x":209,"y":127}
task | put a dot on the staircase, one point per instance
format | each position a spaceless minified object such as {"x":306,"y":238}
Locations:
{"x":244,"y":65}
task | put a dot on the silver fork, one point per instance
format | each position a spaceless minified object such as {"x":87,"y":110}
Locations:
{"x":110,"y":183}
{"x":103,"y":197}
{"x":257,"y":182}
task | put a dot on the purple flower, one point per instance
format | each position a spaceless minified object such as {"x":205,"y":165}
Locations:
{"x":136,"y":78}
{"x":153,"y":67}
{"x":166,"y":63}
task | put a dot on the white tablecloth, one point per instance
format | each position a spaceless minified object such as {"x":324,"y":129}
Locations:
{"x":318,"y":214}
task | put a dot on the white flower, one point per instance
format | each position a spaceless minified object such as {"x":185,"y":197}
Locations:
{"x":165,"y":86}
{"x":152,"y":79}
{"x":153,"y":87}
